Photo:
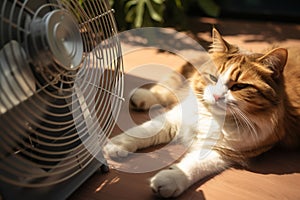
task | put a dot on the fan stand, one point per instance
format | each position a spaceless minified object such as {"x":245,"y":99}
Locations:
{"x":58,"y":191}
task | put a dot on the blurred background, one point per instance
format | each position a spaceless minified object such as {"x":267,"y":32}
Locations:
{"x":175,"y":13}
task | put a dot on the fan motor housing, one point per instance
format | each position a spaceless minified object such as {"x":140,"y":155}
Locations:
{"x":56,"y":38}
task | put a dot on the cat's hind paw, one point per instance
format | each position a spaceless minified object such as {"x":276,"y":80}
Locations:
{"x":142,"y":99}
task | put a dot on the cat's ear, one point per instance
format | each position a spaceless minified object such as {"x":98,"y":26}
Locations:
{"x":275,"y":60}
{"x":219,"y":45}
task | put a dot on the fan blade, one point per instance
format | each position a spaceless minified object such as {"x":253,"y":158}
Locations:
{"x":16,"y":78}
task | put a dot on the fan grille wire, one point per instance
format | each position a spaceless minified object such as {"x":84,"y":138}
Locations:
{"x":54,"y":119}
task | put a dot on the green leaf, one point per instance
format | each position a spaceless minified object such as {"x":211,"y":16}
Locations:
{"x":158,"y":1}
{"x":209,"y":7}
{"x":111,"y":2}
{"x":129,"y":4}
{"x":154,"y":15}
{"x":178,"y":3}
{"x":80,"y":2}
{"x":140,"y":8}
{"x":130,"y":16}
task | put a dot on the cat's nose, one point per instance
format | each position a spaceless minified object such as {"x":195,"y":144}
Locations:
{"x":217,"y":97}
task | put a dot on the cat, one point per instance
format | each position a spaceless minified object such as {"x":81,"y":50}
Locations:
{"x":252,"y":98}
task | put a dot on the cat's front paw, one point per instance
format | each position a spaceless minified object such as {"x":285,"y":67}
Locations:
{"x":142,"y":99}
{"x":115,"y":151}
{"x":169,"y":183}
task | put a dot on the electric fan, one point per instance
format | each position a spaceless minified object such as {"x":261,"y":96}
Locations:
{"x":61,"y":88}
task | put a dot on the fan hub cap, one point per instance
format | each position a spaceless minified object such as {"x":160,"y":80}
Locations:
{"x":60,"y":37}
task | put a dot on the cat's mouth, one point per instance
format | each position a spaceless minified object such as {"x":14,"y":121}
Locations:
{"x":219,"y":108}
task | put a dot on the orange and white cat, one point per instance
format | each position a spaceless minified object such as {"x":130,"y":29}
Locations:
{"x":247,"y":102}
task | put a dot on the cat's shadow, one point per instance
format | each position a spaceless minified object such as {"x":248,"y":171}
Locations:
{"x":276,"y":161}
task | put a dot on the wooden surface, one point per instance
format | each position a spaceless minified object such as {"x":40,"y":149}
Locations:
{"x":273,"y":175}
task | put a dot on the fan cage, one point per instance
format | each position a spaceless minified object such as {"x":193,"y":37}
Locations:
{"x":55,"y":116}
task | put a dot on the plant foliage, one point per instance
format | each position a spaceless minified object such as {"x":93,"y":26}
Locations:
{"x":141,"y":13}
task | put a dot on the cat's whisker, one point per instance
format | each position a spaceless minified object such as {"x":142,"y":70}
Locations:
{"x":240,"y":122}
{"x":246,"y":122}
{"x":236,"y":119}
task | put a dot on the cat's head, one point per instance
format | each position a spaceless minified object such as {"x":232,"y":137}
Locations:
{"x":245,"y":82}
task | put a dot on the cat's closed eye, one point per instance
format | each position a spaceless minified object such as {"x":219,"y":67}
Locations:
{"x":213,"y":78}
{"x":238,"y":86}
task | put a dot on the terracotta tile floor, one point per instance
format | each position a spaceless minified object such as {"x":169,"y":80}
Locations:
{"x":273,"y":175}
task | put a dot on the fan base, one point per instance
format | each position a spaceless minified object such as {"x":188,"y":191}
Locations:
{"x":58,"y":191}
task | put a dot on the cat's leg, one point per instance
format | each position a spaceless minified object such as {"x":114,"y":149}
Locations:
{"x":144,"y":99}
{"x":164,"y":92}
{"x":161,"y":129}
{"x":192,"y":168}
